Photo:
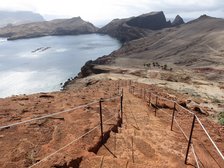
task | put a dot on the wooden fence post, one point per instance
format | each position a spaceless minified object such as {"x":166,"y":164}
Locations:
{"x":190,"y":137}
{"x":174,"y":109}
{"x":101,"y":117}
{"x":156,"y":105}
{"x":121,"y":106}
{"x":144,"y":94}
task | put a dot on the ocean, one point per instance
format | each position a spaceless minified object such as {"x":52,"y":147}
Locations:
{"x":42,"y":64}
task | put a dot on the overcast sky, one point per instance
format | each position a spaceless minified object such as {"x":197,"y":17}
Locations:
{"x":98,"y":11}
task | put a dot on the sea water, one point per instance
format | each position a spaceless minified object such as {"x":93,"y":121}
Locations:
{"x":42,"y":64}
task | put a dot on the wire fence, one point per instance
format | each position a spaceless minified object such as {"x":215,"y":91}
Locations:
{"x":108,"y":110}
{"x":187,"y":122}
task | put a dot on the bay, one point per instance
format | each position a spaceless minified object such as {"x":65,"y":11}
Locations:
{"x":41,"y":64}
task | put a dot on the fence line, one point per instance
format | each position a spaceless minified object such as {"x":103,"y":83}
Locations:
{"x":67,"y":111}
{"x":57,"y":113}
{"x":213,"y":143}
{"x":191,"y":145}
{"x":195,"y":156}
{"x":47,"y":157}
{"x":48,"y":115}
{"x":75,"y":140}
{"x":181,"y":129}
{"x":132,"y":90}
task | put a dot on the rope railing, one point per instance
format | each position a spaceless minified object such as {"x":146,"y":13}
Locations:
{"x":48,"y":115}
{"x":113,"y":116}
{"x":213,"y":143}
{"x":75,"y":140}
{"x":190,"y":144}
{"x":56,"y":113}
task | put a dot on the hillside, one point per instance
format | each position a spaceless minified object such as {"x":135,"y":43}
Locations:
{"x":188,"y":59}
{"x":71,"y":26}
{"x":196,"y":44}
{"x":18,"y":17}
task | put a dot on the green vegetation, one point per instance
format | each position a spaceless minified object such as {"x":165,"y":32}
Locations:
{"x":156,"y":64}
{"x":221,"y":118}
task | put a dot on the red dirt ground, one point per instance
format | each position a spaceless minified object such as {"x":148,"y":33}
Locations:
{"x":25,"y":145}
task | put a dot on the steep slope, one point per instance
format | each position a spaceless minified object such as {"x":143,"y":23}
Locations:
{"x":135,"y":27}
{"x":71,"y":26}
{"x":18,"y":17}
{"x":192,"y":45}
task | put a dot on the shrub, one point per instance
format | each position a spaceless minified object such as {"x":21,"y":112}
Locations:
{"x":221,"y":118}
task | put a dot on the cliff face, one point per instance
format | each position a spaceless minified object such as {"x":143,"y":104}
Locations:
{"x":119,"y":29}
{"x":71,"y":26}
{"x":135,"y":27}
{"x":177,"y":21}
{"x":153,"y":21}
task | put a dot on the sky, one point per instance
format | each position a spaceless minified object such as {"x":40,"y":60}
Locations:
{"x":102,"y":11}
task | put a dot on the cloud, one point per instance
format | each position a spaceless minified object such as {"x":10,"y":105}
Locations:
{"x":108,"y":9}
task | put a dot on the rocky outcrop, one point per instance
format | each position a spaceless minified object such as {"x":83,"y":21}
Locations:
{"x":119,"y":29}
{"x":152,"y":21}
{"x":177,"y":21}
{"x":71,"y":26}
{"x":135,"y":27}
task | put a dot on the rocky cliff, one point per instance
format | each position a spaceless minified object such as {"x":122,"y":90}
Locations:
{"x":152,"y":21}
{"x":135,"y":27}
{"x":71,"y":26}
{"x":177,"y":21}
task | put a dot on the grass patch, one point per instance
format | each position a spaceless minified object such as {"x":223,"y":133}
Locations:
{"x":221,"y":118}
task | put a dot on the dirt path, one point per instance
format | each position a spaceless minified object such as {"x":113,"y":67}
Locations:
{"x":143,"y":141}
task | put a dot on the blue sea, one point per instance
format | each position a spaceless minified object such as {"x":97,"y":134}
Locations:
{"x":42,"y":64}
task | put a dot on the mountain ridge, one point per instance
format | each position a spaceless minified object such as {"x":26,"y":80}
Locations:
{"x":192,"y":45}
{"x":72,"y":26}
{"x":136,"y":27}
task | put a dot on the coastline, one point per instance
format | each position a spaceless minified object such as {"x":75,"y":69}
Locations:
{"x":89,"y":46}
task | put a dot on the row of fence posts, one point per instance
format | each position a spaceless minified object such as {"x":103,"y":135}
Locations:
{"x":143,"y":94}
{"x":120,"y":116}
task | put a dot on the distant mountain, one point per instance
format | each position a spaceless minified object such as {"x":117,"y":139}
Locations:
{"x":178,"y":21}
{"x":71,"y":26}
{"x":20,"y":17}
{"x":135,"y":27}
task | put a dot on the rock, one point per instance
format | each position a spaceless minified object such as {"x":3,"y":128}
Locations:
{"x":177,"y":21}
{"x":135,"y":27}
{"x":46,"y":96}
{"x":119,"y":29}
{"x":193,"y":106}
{"x":153,"y":21}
